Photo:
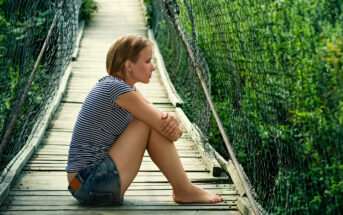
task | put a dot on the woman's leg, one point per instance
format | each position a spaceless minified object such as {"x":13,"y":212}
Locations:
{"x":164,"y":154}
{"x":127,"y":153}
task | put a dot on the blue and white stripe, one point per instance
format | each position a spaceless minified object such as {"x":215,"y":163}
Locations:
{"x":99,"y":124}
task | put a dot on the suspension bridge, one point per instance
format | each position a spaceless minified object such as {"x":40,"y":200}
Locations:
{"x":257,"y":87}
{"x":41,"y":186}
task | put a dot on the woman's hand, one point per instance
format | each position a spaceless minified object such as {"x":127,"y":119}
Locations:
{"x":170,"y":126}
{"x":165,"y":124}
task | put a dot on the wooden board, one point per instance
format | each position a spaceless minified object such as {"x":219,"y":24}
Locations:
{"x":114,"y":212}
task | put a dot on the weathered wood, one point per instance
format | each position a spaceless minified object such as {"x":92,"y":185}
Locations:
{"x":60,"y":182}
{"x":179,"y":145}
{"x":78,"y":40}
{"x":196,"y":162}
{"x":134,"y":186}
{"x":205,"y":149}
{"x":51,"y":175}
{"x":172,"y":94}
{"x":146,"y":199}
{"x":235,"y":178}
{"x":114,"y":212}
{"x":145,"y":167}
{"x":61,"y":135}
{"x":80,"y":97}
{"x":67,"y":109}
{"x":244,"y":207}
{"x":64,"y":141}
{"x":64,"y":152}
{"x":44,"y":158}
{"x":132,"y":207}
{"x":147,"y":190}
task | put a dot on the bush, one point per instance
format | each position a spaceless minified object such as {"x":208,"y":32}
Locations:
{"x":88,"y":8}
{"x":276,"y":71}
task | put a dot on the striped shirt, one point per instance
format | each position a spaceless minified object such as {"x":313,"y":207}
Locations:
{"x":99,"y":124}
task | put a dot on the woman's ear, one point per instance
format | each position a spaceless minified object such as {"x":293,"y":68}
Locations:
{"x":128,"y":65}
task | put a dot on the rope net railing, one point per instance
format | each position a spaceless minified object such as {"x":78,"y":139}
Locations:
{"x":24,"y":27}
{"x":274,"y":70}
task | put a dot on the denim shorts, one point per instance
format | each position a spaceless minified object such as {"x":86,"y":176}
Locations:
{"x":100,"y":184}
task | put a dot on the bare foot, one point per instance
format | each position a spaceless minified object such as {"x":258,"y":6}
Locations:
{"x":196,"y":194}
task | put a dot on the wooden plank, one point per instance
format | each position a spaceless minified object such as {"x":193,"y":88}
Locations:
{"x":58,"y":137}
{"x":181,"y":143}
{"x":133,"y":186}
{"x":64,"y":152}
{"x":55,"y":135}
{"x":91,"y":79}
{"x":80,"y":97}
{"x":144,"y":167}
{"x":65,"y":147}
{"x":114,"y":212}
{"x":130,"y":192}
{"x":30,"y":175}
{"x":154,"y":81}
{"x":78,"y":106}
{"x":64,"y":156}
{"x":133,"y":207}
{"x":73,"y":109}
{"x":244,"y":206}
{"x":144,"y":162}
{"x":62,"y":184}
{"x":50,"y":181}
{"x":147,"y":94}
{"x":147,"y":199}
{"x":235,"y":178}
{"x":89,"y":82}
{"x":113,"y":32}
{"x":145,"y":159}
{"x":179,"y":146}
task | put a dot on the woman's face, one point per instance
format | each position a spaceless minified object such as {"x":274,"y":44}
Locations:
{"x":141,"y":71}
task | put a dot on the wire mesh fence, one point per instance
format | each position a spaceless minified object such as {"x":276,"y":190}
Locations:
{"x":274,"y":70}
{"x":24,"y":27}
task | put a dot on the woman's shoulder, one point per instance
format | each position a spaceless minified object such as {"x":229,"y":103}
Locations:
{"x":109,"y":78}
{"x":115,"y":82}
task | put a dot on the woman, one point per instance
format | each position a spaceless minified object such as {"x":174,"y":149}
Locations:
{"x":116,"y":125}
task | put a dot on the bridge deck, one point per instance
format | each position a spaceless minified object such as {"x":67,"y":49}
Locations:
{"x":41,"y":188}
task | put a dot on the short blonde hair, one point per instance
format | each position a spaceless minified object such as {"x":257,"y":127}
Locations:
{"x":125,"y":48}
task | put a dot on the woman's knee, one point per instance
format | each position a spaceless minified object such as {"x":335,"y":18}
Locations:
{"x":139,"y":123}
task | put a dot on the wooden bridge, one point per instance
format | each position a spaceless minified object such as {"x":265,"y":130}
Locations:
{"x":41,"y":187}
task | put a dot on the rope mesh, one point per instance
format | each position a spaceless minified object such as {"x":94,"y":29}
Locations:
{"x":24,"y":26}
{"x":274,"y":71}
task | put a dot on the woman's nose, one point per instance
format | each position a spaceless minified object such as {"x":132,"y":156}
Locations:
{"x":153,"y":67}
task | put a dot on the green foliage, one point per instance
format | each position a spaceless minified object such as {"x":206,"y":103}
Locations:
{"x":88,"y":8}
{"x":149,"y":12}
{"x":276,"y":71}
{"x":23,"y":29}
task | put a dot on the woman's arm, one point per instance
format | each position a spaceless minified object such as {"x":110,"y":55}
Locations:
{"x":168,"y":125}
{"x":138,"y":106}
